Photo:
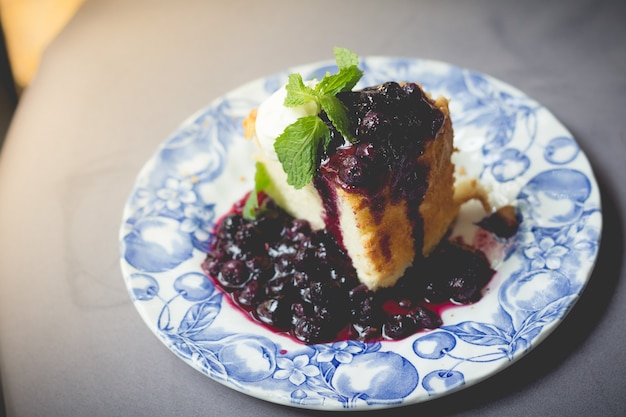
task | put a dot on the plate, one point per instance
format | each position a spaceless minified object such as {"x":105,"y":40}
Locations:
{"x":515,"y":146}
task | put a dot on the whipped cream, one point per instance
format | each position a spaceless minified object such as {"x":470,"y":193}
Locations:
{"x":273,"y":117}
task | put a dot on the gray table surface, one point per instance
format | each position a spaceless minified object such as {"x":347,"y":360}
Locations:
{"x":123,"y":75}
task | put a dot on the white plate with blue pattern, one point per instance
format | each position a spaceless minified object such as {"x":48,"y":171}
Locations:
{"x":515,"y":145}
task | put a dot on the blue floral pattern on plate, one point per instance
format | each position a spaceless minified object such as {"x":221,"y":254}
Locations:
{"x":205,"y":166}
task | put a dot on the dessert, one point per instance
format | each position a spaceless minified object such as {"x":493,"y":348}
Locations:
{"x":343,"y":236}
{"x":389,"y":196}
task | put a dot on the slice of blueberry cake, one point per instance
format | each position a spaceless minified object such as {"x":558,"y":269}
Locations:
{"x":387,"y":193}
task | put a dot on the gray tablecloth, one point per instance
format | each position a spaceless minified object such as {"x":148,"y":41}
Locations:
{"x":123,"y":75}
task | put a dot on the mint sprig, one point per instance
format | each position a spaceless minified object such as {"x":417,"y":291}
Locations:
{"x":299,"y":145}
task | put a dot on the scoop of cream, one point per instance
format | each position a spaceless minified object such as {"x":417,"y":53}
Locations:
{"x":273,"y":117}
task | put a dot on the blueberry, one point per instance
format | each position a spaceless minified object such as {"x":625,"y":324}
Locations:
{"x":435,"y":292}
{"x":285,"y":263}
{"x":233,"y":274}
{"x":360,"y":293}
{"x":248,"y":295}
{"x":299,"y":310}
{"x":399,"y":326}
{"x":308,"y":330}
{"x":299,"y":226}
{"x":278,"y":285}
{"x":306,"y":258}
{"x":344,"y":278}
{"x":229,"y":225}
{"x":212,"y":265}
{"x":323,"y":293}
{"x":426,"y":319}
{"x":367,"y":150}
{"x":365,"y":310}
{"x":249,"y":240}
{"x":319,"y":254}
{"x":268,"y":227}
{"x":459,"y":281}
{"x":334,"y":316}
{"x":392,"y":93}
{"x":463,"y":289}
{"x":413,"y":90}
{"x":261,"y":267}
{"x":367,"y":100}
{"x":300,"y":280}
{"x":354,"y":171}
{"x":375,"y":126}
{"x":275,"y":312}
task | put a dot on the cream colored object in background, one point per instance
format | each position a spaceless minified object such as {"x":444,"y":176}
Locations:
{"x":29,"y":26}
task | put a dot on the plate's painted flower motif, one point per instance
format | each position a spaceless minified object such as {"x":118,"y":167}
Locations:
{"x":175,"y":192}
{"x":297,"y":370}
{"x":342,"y":352}
{"x":546,"y":254}
{"x":198,"y":221}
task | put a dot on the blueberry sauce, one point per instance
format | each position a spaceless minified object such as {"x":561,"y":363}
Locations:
{"x":300,"y":282}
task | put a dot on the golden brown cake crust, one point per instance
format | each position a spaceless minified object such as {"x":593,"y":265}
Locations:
{"x":438,"y":208}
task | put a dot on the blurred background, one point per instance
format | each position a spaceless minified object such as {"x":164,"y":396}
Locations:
{"x":27,"y":27}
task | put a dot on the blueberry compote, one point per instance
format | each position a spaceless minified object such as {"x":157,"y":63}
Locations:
{"x":300,"y":282}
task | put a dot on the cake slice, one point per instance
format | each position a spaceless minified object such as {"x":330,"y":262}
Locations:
{"x":407,"y":213}
{"x":388,"y":196}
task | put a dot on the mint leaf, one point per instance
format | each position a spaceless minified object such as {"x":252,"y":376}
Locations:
{"x":262,"y":181}
{"x":338,"y":115}
{"x":352,"y":76}
{"x":297,"y":92}
{"x":348,"y":75}
{"x":345,"y":58}
{"x":344,"y":80}
{"x":298,"y":147}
